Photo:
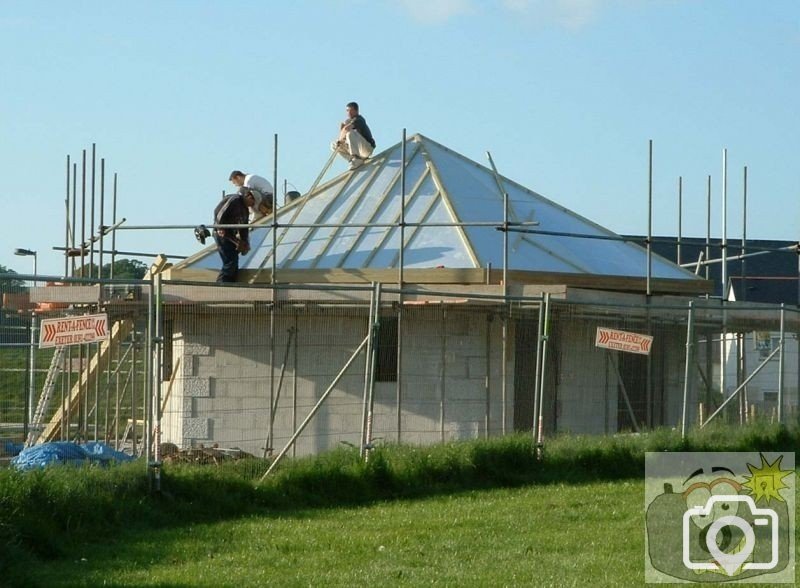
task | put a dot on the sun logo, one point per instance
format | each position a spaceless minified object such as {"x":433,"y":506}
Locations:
{"x":766,"y":481}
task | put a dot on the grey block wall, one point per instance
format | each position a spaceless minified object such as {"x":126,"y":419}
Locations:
{"x":221,"y":393}
{"x":222,"y":388}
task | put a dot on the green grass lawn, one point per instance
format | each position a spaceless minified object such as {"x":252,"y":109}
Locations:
{"x":476,"y":513}
{"x":551,"y":535}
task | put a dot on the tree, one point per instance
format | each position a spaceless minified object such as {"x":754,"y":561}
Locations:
{"x":124,"y":269}
{"x":10,"y":284}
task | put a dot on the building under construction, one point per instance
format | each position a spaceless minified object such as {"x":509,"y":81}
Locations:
{"x":420,"y":298}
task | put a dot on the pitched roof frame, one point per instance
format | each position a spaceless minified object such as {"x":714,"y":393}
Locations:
{"x":409,"y":236}
{"x":553,"y":253}
{"x":353,"y":220}
{"x":412,"y":196}
{"x":382,"y":201}
{"x":357,"y":201}
{"x":451,"y":210}
{"x":279,"y":239}
{"x":302,"y":242}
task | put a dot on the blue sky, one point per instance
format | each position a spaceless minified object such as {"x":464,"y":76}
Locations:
{"x":564,"y":93}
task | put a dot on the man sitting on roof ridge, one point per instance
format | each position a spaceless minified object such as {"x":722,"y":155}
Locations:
{"x":355,"y":142}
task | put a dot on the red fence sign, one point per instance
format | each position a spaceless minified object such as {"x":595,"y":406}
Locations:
{"x":74,"y":330}
{"x":623,"y":341}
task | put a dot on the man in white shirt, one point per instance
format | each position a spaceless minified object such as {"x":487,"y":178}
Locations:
{"x":258,"y":193}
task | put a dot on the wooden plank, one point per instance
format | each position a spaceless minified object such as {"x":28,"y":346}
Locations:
{"x":470,"y":276}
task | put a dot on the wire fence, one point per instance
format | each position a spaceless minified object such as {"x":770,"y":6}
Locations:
{"x":188,"y":369}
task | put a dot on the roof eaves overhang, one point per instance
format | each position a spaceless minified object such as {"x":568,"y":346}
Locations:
{"x":456,"y":276}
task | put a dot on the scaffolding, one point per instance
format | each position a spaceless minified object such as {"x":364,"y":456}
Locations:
{"x":124,"y":369}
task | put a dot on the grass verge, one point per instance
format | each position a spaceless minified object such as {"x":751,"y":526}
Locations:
{"x":45,"y":514}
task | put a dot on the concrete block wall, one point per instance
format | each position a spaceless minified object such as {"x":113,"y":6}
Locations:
{"x":221,"y":394}
{"x":444,"y":381}
{"x":179,"y":425}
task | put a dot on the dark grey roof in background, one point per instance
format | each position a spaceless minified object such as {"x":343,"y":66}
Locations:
{"x":770,"y":277}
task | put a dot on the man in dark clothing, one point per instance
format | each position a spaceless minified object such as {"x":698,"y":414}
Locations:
{"x":355,"y":142}
{"x":232,"y":210}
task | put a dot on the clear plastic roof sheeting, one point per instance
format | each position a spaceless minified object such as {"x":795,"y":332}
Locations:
{"x":442,"y":187}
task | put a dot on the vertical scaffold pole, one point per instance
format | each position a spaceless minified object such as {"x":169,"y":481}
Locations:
{"x":31,"y":402}
{"x":504,"y":364}
{"x":744,"y":235}
{"x":373,"y":360}
{"x":708,"y":226}
{"x":680,"y":216}
{"x":91,"y":215}
{"x":274,"y":211}
{"x":134,"y":450}
{"x":83,"y":216}
{"x":780,"y":363}
{"x":649,"y":216}
{"x":114,"y":222}
{"x":723,"y":348}
{"x":294,"y":383}
{"x":66,"y":224}
{"x":742,"y":337}
{"x":543,"y":342}
{"x":443,"y":376}
{"x":159,"y":377}
{"x":536,"y":382}
{"x":402,"y":219}
{"x":401,"y":281}
{"x":270,"y":431}
{"x":74,"y":211}
{"x":488,"y":382}
{"x":102,"y":218}
{"x":148,"y":378}
{"x":687,"y":380}
{"x":724,"y":244}
{"x":370,"y":342}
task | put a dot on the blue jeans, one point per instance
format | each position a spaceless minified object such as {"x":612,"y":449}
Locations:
{"x":230,"y":259}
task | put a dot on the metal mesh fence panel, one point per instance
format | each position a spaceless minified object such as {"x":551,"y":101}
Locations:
{"x":77,"y":392}
{"x":203,"y":372}
{"x":745,"y":358}
{"x":241,"y":374}
{"x":604,"y":390}
{"x":15,"y":363}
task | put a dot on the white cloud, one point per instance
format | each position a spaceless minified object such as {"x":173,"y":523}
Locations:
{"x":436,"y":11}
{"x":570,"y":14}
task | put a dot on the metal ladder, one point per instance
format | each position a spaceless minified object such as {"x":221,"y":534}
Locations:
{"x":47,"y":392}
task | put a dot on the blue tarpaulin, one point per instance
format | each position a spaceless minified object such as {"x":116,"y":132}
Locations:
{"x":62,"y":452}
{"x":102,"y":452}
{"x":11,"y":448}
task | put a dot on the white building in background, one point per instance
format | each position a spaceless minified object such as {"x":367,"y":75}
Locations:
{"x":759,"y":349}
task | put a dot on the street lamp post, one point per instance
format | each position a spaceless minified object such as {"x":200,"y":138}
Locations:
{"x":25,"y":253}
{"x":32,"y":351}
